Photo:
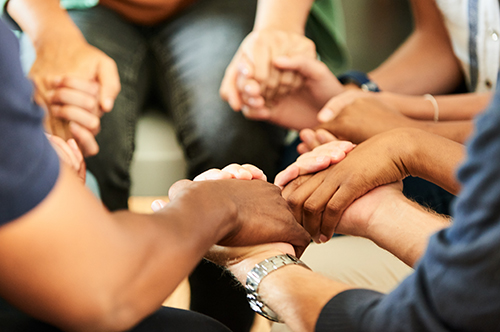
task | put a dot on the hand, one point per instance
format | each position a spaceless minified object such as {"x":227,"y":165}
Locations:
{"x":299,"y":108}
{"x":338,"y":103}
{"x":75,"y":101}
{"x":314,"y":161}
{"x":258,"y":212}
{"x":365,"y":118}
{"x":233,"y":171}
{"x":357,"y":219}
{"x":70,"y":154}
{"x":313,"y":138}
{"x":318,"y":201}
{"x":78,"y":60}
{"x":241,"y":260}
{"x":257,"y":53}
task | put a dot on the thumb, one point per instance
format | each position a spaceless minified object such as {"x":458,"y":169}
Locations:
{"x":307,"y":67}
{"x":109,"y":79}
{"x":177,"y":187}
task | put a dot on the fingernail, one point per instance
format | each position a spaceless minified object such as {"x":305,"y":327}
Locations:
{"x":281,"y":59}
{"x":248,"y":88}
{"x":57,"y":80}
{"x":325,"y":115}
{"x":320,"y":159}
{"x":244,"y":70}
{"x":252,"y":101}
{"x":323,"y":239}
{"x":107,"y":104}
{"x":156,"y":206}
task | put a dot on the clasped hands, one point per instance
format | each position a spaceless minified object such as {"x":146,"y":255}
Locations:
{"x":322,"y":196}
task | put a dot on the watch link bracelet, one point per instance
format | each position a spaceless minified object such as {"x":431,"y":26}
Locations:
{"x":359,"y":79}
{"x":255,"y":276}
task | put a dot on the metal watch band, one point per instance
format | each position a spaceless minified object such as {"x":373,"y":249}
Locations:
{"x":255,"y":276}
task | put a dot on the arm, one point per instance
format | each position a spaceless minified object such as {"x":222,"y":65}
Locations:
{"x":62,"y":51}
{"x":425,"y":63}
{"x":318,"y":201}
{"x":367,"y":117}
{"x":123,"y":265}
{"x":406,"y":226}
{"x":450,"y":107}
{"x":279,"y":30}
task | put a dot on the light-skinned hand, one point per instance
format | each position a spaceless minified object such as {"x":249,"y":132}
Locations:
{"x":254,"y":59}
{"x":314,"y":161}
{"x":70,"y":154}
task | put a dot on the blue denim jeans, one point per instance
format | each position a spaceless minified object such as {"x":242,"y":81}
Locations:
{"x":180,"y":64}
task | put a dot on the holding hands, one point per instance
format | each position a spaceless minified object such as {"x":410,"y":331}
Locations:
{"x":258,"y":212}
{"x":276,"y":77}
{"x":77,"y":84}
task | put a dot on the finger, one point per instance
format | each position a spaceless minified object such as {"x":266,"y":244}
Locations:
{"x":285,"y":86}
{"x":250,"y":92}
{"x":297,"y":192}
{"x":313,"y":163}
{"x":297,"y":83}
{"x":306,"y":66}
{"x":86,"y":86}
{"x":79,"y":156}
{"x":238,"y":172}
{"x":314,"y":214}
{"x":213,"y":174}
{"x":308,"y":136}
{"x":177,"y":187}
{"x":272,"y":84}
{"x":336,"y":206}
{"x":68,"y":156}
{"x":288,"y":174}
{"x":228,"y":90}
{"x":303,"y":148}
{"x":323,"y":136}
{"x":260,"y":114}
{"x":85,"y":139}
{"x":157,"y":205}
{"x":84,"y":118}
{"x":256,"y":172}
{"x":109,"y":79}
{"x":261,"y":59}
{"x":67,"y":96}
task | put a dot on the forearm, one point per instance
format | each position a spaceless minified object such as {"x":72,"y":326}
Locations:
{"x":295,"y":293}
{"x":458,"y":131}
{"x":44,"y":21}
{"x":403,"y":228}
{"x":433,"y":158}
{"x":288,"y":15}
{"x":450,"y":107}
{"x":114,"y":269}
{"x":425,"y":63}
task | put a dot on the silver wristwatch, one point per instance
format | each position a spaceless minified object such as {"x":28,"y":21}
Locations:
{"x":255,"y":276}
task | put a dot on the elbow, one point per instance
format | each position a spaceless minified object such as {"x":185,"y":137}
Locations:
{"x":100,"y":315}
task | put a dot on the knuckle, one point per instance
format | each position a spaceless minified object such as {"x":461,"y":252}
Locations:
{"x":311,"y":208}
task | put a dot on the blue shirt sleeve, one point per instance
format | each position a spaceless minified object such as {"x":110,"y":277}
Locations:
{"x":29,"y":167}
{"x":456,"y":285}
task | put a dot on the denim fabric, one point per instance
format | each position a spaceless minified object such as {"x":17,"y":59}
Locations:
{"x":180,"y":61}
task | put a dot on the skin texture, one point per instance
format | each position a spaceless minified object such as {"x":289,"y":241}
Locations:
{"x":278,"y":31}
{"x":119,"y":261}
{"x":319,"y":200}
{"x":383,"y":215}
{"x":76,"y":82}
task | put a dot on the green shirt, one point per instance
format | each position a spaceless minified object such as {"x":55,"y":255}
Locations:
{"x":325,"y":27}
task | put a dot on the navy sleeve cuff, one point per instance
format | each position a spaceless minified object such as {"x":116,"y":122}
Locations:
{"x":344,"y":311}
